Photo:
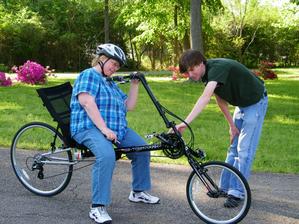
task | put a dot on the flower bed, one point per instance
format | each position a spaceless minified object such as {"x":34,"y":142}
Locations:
{"x":5,"y":81}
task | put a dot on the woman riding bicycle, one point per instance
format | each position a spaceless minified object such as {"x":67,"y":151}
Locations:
{"x":98,"y":119}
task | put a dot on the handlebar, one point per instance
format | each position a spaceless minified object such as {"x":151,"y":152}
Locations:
{"x":127,"y":78}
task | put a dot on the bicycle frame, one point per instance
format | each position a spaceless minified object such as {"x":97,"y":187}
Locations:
{"x":164,"y":144}
{"x":161,"y":110}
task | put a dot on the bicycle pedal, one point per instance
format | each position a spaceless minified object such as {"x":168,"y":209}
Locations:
{"x":150,"y":136}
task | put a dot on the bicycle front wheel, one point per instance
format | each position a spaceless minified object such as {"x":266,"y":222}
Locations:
{"x":206,"y":195}
{"x":39,"y":161}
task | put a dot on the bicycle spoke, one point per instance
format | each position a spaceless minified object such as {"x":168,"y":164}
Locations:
{"x":206,"y":194}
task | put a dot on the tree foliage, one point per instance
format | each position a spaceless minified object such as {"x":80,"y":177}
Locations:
{"x":153,"y":33}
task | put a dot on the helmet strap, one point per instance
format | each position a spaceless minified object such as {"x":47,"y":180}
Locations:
{"x":102,"y":64}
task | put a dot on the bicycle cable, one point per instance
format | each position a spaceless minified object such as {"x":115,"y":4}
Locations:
{"x":56,"y":175}
{"x":191,"y":141}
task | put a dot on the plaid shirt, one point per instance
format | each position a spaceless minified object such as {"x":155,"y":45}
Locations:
{"x":109,"y":98}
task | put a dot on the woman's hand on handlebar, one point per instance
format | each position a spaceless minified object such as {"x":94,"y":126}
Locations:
{"x":135,"y":81}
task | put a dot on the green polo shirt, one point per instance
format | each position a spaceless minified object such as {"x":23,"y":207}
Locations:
{"x":236,"y":83}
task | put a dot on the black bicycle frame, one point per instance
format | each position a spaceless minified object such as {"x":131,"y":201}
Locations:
{"x":155,"y":101}
{"x":168,"y":124}
{"x":189,"y":153}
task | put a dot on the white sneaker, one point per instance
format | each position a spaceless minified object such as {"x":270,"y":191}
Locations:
{"x":100,"y":215}
{"x":143,"y":197}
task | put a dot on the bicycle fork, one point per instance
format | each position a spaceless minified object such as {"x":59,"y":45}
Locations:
{"x":213,"y":190}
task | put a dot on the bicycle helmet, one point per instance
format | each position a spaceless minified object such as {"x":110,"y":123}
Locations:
{"x":112,"y":51}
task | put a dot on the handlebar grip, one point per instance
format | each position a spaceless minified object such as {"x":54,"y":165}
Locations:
{"x":136,"y":75}
{"x":133,"y":75}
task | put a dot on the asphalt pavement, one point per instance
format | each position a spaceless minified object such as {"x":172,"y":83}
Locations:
{"x":275,"y":198}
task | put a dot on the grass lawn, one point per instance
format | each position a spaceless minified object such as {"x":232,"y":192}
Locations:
{"x":279,"y":146}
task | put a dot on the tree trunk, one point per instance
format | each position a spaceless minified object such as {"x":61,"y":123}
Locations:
{"x":176,"y":42}
{"x":196,"y":28}
{"x":106,"y":18}
{"x":131,"y":46}
{"x":186,"y":41}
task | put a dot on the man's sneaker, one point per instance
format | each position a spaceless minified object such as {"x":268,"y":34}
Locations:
{"x":232,"y":201}
{"x":100,"y":215}
{"x":143,"y":197}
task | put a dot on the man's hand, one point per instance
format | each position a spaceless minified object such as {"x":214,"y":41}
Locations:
{"x":233,"y":132}
{"x":181,"y":127}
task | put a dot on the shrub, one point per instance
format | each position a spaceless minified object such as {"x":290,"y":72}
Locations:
{"x":32,"y":73}
{"x":265,"y":70}
{"x":176,"y":73}
{"x":4,"y":81}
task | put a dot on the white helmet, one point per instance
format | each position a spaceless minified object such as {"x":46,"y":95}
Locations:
{"x":112,"y":51}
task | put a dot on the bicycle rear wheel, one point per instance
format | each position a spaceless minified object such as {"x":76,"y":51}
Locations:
{"x":39,"y":163}
{"x":206,"y":198}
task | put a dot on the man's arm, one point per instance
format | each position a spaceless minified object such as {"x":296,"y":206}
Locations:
{"x":223,"y":105}
{"x":201,"y":103}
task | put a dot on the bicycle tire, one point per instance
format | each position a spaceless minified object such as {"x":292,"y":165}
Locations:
{"x":211,"y":209}
{"x":29,"y":143}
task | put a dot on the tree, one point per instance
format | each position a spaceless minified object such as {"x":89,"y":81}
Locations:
{"x":196,"y":25}
{"x":196,"y":17}
{"x":106,"y":19}
{"x":156,"y":29}
{"x":153,"y":33}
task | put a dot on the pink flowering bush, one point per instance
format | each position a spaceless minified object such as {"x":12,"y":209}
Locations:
{"x":32,"y":73}
{"x":265,"y":71}
{"x":176,"y":73}
{"x":4,"y":81}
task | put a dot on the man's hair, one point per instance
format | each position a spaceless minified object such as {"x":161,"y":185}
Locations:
{"x":189,"y":59}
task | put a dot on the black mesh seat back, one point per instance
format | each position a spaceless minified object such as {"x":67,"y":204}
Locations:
{"x":57,"y":100}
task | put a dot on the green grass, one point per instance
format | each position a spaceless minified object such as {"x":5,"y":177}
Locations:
{"x":279,"y":145}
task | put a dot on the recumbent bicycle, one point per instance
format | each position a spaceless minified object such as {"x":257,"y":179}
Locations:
{"x":45,"y":167}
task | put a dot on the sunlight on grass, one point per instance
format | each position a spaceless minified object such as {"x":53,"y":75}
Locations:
{"x":282,"y":97}
{"x":159,"y":79}
{"x":65,"y":76}
{"x":287,"y":73}
{"x":9,"y":105}
{"x":287,"y":77}
{"x":282,"y":119}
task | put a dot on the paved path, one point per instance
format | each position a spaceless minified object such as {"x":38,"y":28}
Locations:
{"x":275,"y":198}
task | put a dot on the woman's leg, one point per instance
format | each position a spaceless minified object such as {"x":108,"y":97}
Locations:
{"x":140,"y":162}
{"x":102,"y":170}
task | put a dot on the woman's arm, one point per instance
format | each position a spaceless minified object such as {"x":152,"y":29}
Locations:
{"x":133,"y":94}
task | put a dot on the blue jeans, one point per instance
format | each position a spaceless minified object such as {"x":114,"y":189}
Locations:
{"x":102,"y":170}
{"x":249,"y":120}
